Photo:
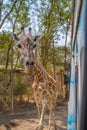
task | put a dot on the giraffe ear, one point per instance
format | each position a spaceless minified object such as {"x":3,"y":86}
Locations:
{"x":34,"y":46}
{"x":15,"y":37}
{"x":36,"y":41}
{"x":37,"y":38}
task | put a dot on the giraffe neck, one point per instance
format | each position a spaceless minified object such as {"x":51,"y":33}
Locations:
{"x":37,"y":70}
{"x":40,"y":73}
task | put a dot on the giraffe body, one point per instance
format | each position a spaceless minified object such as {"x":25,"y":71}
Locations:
{"x":44,"y":87}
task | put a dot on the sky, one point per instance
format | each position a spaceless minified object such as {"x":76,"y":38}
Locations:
{"x":5,"y":1}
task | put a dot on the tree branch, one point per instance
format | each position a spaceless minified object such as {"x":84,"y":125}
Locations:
{"x":6,"y":16}
{"x":1,"y":3}
{"x":2,"y":100}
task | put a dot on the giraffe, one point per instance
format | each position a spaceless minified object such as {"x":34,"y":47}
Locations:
{"x":45,"y":88}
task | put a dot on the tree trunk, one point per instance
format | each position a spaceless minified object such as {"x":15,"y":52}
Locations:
{"x":12,"y":85}
{"x":7,"y":59}
{"x":65,"y":69}
{"x":2,"y":100}
{"x":6,"y":16}
{"x":65,"y":45}
{"x":54,"y":66}
{"x":1,"y":4}
{"x":16,"y":61}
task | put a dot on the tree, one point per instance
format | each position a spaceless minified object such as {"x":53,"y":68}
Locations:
{"x":8,"y":13}
{"x":53,"y":20}
{"x":16,"y":15}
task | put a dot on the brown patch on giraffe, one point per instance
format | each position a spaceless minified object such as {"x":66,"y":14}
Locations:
{"x":34,"y":86}
{"x":44,"y":92}
{"x":39,"y":88}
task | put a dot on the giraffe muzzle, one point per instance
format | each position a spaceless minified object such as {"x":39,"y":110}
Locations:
{"x":29,"y":63}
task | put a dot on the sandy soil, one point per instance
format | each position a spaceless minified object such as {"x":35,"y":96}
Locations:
{"x":26,"y":118}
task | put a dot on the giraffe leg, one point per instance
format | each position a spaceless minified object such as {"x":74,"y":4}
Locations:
{"x":40,"y":126}
{"x":52,"y":123}
{"x":38,"y":104}
{"x":39,"y":110}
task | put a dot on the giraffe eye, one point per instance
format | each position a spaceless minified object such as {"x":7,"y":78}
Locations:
{"x":34,"y":46}
{"x":19,"y":45}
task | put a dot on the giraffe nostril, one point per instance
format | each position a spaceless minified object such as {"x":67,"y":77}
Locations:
{"x":27,"y":63}
{"x":19,"y":45}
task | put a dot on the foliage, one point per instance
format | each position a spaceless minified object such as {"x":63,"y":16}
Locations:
{"x":4,"y":42}
{"x":20,"y":87}
{"x":14,"y":12}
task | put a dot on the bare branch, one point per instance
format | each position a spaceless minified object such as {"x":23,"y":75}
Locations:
{"x":6,"y":16}
{"x":1,"y":3}
{"x":6,"y":105}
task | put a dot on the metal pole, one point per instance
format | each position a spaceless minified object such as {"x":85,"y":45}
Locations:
{"x":83,"y":114}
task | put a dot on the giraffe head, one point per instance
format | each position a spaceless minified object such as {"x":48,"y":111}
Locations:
{"x":26,"y":44}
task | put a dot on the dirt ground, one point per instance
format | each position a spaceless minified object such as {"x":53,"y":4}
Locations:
{"x":26,"y":118}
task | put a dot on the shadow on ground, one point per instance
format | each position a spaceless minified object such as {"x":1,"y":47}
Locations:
{"x":26,"y":118}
